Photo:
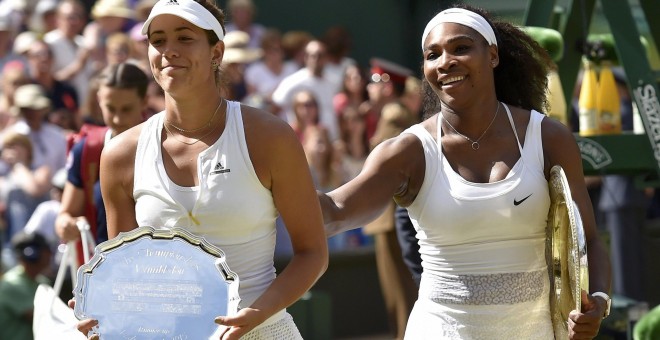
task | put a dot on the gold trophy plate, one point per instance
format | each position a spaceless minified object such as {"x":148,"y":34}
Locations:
{"x":566,"y":253}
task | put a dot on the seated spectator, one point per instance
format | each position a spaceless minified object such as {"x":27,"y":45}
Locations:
{"x":293,"y":43}
{"x":110,"y":16}
{"x":19,"y":285}
{"x":119,"y":49}
{"x":13,"y":76}
{"x":23,"y":188}
{"x":67,"y":44}
{"x":306,"y":112}
{"x":31,"y":106}
{"x":44,"y":17}
{"x":312,"y":78}
{"x":43,"y":218}
{"x":242,"y":14}
{"x":338,"y":41}
{"x":263,"y":76}
{"x":6,"y":37}
{"x":353,"y":147}
{"x":237,"y":56}
{"x":321,"y":158}
{"x":41,"y":71}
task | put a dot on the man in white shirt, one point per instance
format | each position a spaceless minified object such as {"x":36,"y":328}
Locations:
{"x":48,"y":141}
{"x":312,"y":78}
{"x":66,"y":43}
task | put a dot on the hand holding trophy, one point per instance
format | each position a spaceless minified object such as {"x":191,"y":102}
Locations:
{"x":156,"y":283}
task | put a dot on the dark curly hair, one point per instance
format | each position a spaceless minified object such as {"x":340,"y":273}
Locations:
{"x":521,"y":75}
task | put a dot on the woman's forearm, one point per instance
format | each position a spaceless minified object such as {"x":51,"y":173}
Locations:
{"x":296,"y":279}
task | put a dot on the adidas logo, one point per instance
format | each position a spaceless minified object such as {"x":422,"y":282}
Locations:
{"x":172,"y":2}
{"x":218,"y":169}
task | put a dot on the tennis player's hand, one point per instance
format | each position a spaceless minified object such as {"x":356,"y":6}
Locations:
{"x":84,"y":326}
{"x":240,"y":323}
{"x":585,"y":324}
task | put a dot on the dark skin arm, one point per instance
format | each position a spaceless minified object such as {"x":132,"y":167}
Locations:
{"x":387,"y":173}
{"x":560,"y":148}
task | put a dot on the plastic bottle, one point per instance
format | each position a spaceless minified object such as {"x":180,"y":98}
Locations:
{"x":556,"y":99}
{"x":587,"y":102}
{"x":607,"y":102}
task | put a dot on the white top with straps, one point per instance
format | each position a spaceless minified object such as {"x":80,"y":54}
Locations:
{"x":233,"y":210}
{"x":482,"y":245}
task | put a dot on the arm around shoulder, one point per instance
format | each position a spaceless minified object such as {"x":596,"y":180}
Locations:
{"x":394,"y":169}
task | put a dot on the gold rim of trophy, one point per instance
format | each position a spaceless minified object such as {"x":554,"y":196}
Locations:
{"x":566,"y":253}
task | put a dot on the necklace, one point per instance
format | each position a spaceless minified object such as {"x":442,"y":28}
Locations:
{"x":208,"y":124}
{"x":475,"y":143}
{"x":196,"y":140}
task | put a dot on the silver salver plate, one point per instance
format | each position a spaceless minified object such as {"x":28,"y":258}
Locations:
{"x":566,"y":253}
{"x":156,"y":284}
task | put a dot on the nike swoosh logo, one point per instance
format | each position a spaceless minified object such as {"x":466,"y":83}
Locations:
{"x":516,"y":202}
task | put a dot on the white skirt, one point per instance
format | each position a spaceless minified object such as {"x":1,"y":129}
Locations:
{"x":499,"y":306}
{"x":283,"y":329}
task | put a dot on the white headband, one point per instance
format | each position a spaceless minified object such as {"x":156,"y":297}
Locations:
{"x":188,"y":10}
{"x":465,"y":18}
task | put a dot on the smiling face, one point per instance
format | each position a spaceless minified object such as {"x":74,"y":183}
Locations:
{"x":458,"y":63}
{"x":180,"y":55}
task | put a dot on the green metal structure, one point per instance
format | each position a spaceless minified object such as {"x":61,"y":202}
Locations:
{"x":628,"y":153}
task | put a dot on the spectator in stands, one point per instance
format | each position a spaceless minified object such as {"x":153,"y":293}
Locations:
{"x":110,"y":16}
{"x":353,"y":146}
{"x":306,"y":111}
{"x":294,"y":43}
{"x":386,"y":85}
{"x":321,"y":158}
{"x":40,"y":62}
{"x":237,"y":55}
{"x":43,"y":218}
{"x":338,"y":41}
{"x":6,"y":41}
{"x":119,"y":49}
{"x":44,"y":17}
{"x":242,"y":14}
{"x":311,"y":78}
{"x":13,"y":76}
{"x":31,"y":105}
{"x":23,"y":188}
{"x":263,"y":76}
{"x":19,"y":284}
{"x":122,"y":95}
{"x":67,"y":46}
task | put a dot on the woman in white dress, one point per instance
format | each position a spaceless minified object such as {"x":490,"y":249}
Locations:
{"x":220,"y":169}
{"x":474,"y":178}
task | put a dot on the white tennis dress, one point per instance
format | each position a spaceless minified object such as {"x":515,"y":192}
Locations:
{"x":483,"y":248}
{"x":233,"y":210}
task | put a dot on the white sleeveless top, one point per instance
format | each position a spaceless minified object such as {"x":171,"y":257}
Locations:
{"x":233,"y":210}
{"x":482,"y":246}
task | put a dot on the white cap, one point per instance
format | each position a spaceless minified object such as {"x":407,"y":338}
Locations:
{"x":188,"y":10}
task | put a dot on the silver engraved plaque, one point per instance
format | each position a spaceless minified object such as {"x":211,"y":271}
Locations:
{"x":156,"y":284}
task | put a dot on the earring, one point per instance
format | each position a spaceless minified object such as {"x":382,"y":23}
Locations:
{"x":214,"y":65}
